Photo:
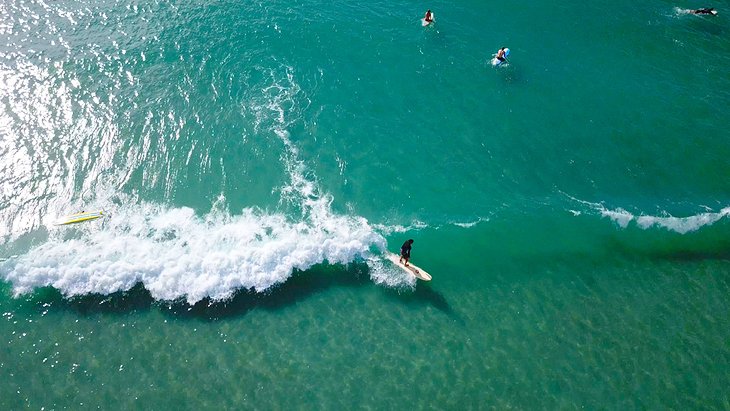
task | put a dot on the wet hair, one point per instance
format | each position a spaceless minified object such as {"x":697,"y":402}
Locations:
{"x":410,"y":241}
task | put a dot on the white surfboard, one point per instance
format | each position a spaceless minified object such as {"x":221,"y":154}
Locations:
{"x":412,"y":269}
{"x":496,"y":62}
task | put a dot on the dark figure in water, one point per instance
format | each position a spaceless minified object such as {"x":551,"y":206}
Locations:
{"x":710,"y":11}
{"x":428,"y":18}
{"x":405,"y":252}
{"x":502,"y":54}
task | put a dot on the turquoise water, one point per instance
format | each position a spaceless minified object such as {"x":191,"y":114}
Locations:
{"x":257,"y":159}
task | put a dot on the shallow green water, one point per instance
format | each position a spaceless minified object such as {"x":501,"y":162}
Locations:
{"x":258,"y":158}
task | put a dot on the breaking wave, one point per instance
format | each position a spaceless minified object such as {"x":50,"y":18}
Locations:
{"x":681,"y":225}
{"x":176,"y":253}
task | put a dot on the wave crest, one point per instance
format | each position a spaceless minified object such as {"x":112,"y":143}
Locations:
{"x":681,"y":225}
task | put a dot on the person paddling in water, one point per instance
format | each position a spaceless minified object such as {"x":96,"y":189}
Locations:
{"x":710,"y":11}
{"x":428,"y":18}
{"x":502,"y":54}
{"x":405,"y":252}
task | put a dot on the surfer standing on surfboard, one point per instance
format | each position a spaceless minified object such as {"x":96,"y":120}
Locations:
{"x":405,"y":252}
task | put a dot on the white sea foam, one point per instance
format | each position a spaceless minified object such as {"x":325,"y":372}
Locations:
{"x":619,"y":215}
{"x":387,"y":274}
{"x":684,"y":224}
{"x":470,"y":224}
{"x":176,"y":253}
{"x":416,"y":225}
{"x":387,"y":229}
{"x":681,"y":225}
{"x":680,"y":12}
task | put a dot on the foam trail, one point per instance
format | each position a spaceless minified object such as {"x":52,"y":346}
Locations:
{"x":397,"y":228}
{"x":681,"y":225}
{"x":470,"y":224}
{"x":685,"y":224}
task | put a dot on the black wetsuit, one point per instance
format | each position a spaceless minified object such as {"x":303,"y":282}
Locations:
{"x":405,"y":250}
{"x":703,"y":11}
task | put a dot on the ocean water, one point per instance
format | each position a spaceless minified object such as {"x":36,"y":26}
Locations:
{"x":256,"y":160}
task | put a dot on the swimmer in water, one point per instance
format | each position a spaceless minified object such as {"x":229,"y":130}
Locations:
{"x":709,"y":11}
{"x":428,"y":18}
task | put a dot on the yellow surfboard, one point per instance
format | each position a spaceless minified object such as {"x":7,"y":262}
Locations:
{"x":80,"y":217}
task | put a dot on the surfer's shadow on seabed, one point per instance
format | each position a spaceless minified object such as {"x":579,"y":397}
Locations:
{"x":422,"y":294}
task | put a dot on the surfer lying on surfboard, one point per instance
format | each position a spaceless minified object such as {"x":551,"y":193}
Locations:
{"x":705,"y":10}
{"x":405,"y":252}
